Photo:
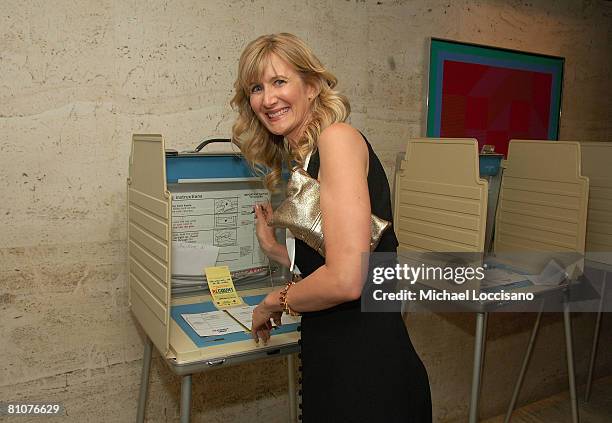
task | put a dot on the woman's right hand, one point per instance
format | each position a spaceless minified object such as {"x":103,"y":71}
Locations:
{"x":266,"y":237}
{"x":265,"y":233}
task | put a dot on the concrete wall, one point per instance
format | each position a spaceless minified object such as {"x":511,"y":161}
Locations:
{"x":78,"y":78}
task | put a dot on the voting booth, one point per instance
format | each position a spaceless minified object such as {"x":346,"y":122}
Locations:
{"x":543,"y":205}
{"x":441,"y":206}
{"x":597,"y":166}
{"x":596,"y":160}
{"x":440,"y":199}
{"x":188,"y":212}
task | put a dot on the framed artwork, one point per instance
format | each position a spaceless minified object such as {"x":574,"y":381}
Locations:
{"x":492,"y":94}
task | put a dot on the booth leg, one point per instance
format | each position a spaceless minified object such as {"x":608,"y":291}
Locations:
{"x":587,"y":393}
{"x":144,"y":380}
{"x":526,"y":358}
{"x":292,"y":392}
{"x":479,"y":344}
{"x":185,"y":398}
{"x":483,"y":349}
{"x":570,"y":361}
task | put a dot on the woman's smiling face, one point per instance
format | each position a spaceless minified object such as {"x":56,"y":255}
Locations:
{"x":281,"y":100}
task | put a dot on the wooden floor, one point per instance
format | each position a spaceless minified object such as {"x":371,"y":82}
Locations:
{"x":556,"y":409}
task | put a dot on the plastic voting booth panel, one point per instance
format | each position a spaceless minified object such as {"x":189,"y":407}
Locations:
{"x":440,"y":200}
{"x":542,"y":205}
{"x":440,"y":208}
{"x":149,"y":239}
{"x":597,"y":166}
{"x":187,"y":212}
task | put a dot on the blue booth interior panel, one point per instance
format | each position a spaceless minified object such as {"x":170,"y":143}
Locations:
{"x":489,"y":164}
{"x":200,"y":166}
{"x":208,"y":306}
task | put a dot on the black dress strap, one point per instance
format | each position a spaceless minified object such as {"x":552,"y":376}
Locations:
{"x":314,"y":165}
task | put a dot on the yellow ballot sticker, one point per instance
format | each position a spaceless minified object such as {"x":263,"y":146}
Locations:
{"x":222,"y":287}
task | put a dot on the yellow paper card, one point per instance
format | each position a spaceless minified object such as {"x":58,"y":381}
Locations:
{"x":222,"y":287}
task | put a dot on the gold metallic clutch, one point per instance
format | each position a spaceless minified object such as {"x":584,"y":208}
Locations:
{"x":301,"y":214}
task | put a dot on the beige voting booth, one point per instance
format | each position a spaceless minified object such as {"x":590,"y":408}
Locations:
{"x":542,"y":204}
{"x":541,"y":216}
{"x":440,"y":200}
{"x":597,"y":166}
{"x":158,"y":297}
{"x":441,"y":206}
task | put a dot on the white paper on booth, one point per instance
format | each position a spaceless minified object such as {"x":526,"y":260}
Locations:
{"x":244,"y":314}
{"x":499,"y":277}
{"x":213,"y":323}
{"x":553,"y":274}
{"x":191,"y":258}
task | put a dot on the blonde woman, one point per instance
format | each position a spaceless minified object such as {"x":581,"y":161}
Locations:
{"x":356,"y":366}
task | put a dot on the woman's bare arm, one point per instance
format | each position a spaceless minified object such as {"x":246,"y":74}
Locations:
{"x":265,"y":235}
{"x":345,"y":206}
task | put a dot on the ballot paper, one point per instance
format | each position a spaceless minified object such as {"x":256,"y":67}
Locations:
{"x":231,"y":320}
{"x":213,"y":323}
{"x":244,"y":314}
{"x":553,"y":274}
{"x":191,"y":258}
{"x":500,"y":277}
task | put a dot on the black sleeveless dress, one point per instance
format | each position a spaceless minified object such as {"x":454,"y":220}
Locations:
{"x":359,"y":366}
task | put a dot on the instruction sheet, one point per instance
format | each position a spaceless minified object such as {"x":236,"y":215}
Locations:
{"x":223,"y":219}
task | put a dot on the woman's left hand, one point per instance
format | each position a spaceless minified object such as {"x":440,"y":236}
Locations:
{"x":262,"y":325}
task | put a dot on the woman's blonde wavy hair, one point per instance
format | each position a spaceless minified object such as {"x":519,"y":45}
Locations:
{"x":265,"y":151}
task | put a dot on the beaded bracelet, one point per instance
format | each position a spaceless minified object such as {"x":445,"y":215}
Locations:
{"x":283,"y":300}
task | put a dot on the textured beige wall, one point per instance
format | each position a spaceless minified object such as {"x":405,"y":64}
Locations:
{"x":77,"y":78}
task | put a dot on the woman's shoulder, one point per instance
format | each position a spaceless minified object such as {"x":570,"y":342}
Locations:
{"x":342,"y":145}
{"x":339,"y":130}
{"x":340,"y":137}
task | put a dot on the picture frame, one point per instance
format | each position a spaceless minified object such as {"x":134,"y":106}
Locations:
{"x":492,"y":94}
